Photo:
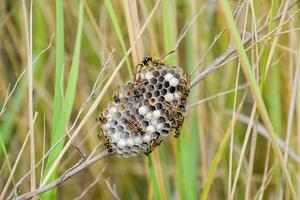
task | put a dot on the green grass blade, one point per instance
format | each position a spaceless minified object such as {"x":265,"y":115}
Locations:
{"x":188,"y":143}
{"x":153,"y":177}
{"x":246,"y":66}
{"x":119,"y":33}
{"x":169,"y":28}
{"x":58,"y":99}
{"x":64,"y":110}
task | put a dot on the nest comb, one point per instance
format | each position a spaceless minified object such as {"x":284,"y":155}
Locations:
{"x":145,"y":109}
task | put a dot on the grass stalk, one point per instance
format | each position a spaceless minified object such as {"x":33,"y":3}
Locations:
{"x":255,"y":90}
{"x":63,"y":105}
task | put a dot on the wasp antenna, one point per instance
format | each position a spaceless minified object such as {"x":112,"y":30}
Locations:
{"x":168,"y":54}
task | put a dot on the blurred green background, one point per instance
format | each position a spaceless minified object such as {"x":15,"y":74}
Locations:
{"x":71,"y":43}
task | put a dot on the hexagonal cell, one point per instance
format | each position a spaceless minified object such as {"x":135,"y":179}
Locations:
{"x":161,"y":119}
{"x":112,"y":130}
{"x":144,"y":145}
{"x":163,"y":92}
{"x":135,"y":148}
{"x":152,"y":101}
{"x":133,"y":154}
{"x":153,"y":80}
{"x":120,"y":128}
{"x":125,"y":134}
{"x":159,"y":67}
{"x":174,"y":102}
{"x":127,"y":93}
{"x":179,"y":70}
{"x":156,"y":73}
{"x":117,"y":115}
{"x":182,"y":108}
{"x":172,"y":71}
{"x":126,"y":113}
{"x":176,"y":75}
{"x":140,"y":98}
{"x":129,"y":106}
{"x":145,"y":82}
{"x":163,"y":72}
{"x":156,"y":135}
{"x":150,"y":88}
{"x":158,"y":86}
{"x":161,"y":98}
{"x":148,"y":95}
{"x":131,"y":99}
{"x":145,"y":123}
{"x":140,"y":117}
{"x":183,"y":101}
{"x":129,"y":85}
{"x":124,"y":121}
{"x":152,"y":108}
{"x":165,"y":132}
{"x":158,"y":106}
{"x":167,"y":125}
{"x":161,"y":79}
{"x":115,"y":122}
{"x":126,"y":155}
{"x":119,"y":150}
{"x":172,"y":89}
{"x":156,"y":93}
{"x":135,"y":111}
{"x":166,"y":84}
{"x":127,"y":149}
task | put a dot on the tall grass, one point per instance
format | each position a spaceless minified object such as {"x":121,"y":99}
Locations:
{"x":217,"y":155}
{"x":63,"y":100}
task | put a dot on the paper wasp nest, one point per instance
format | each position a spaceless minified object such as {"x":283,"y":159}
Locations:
{"x":147,"y":108}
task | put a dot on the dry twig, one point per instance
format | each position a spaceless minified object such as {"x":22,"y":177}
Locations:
{"x":65,"y":176}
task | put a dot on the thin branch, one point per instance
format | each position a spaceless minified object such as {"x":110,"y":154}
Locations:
{"x":112,"y":189}
{"x":240,"y":87}
{"x":9,"y":94}
{"x":185,"y":29}
{"x":91,"y":185}
{"x":65,"y":176}
{"x":207,"y":52}
{"x":264,"y":132}
{"x":16,"y":163}
{"x":44,"y":50}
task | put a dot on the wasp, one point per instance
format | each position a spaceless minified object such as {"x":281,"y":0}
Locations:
{"x":102,"y":119}
{"x":184,"y":86}
{"x":156,"y":62}
{"x":184,"y":91}
{"x":153,"y":144}
{"x":116,"y":95}
{"x":172,"y":111}
{"x":145,"y":62}
{"x":176,"y":133}
{"x":103,"y":138}
{"x":134,"y":126}
{"x":148,"y":60}
{"x":138,"y":90}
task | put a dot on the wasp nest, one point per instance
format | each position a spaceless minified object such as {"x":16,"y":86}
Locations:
{"x":147,"y":108}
